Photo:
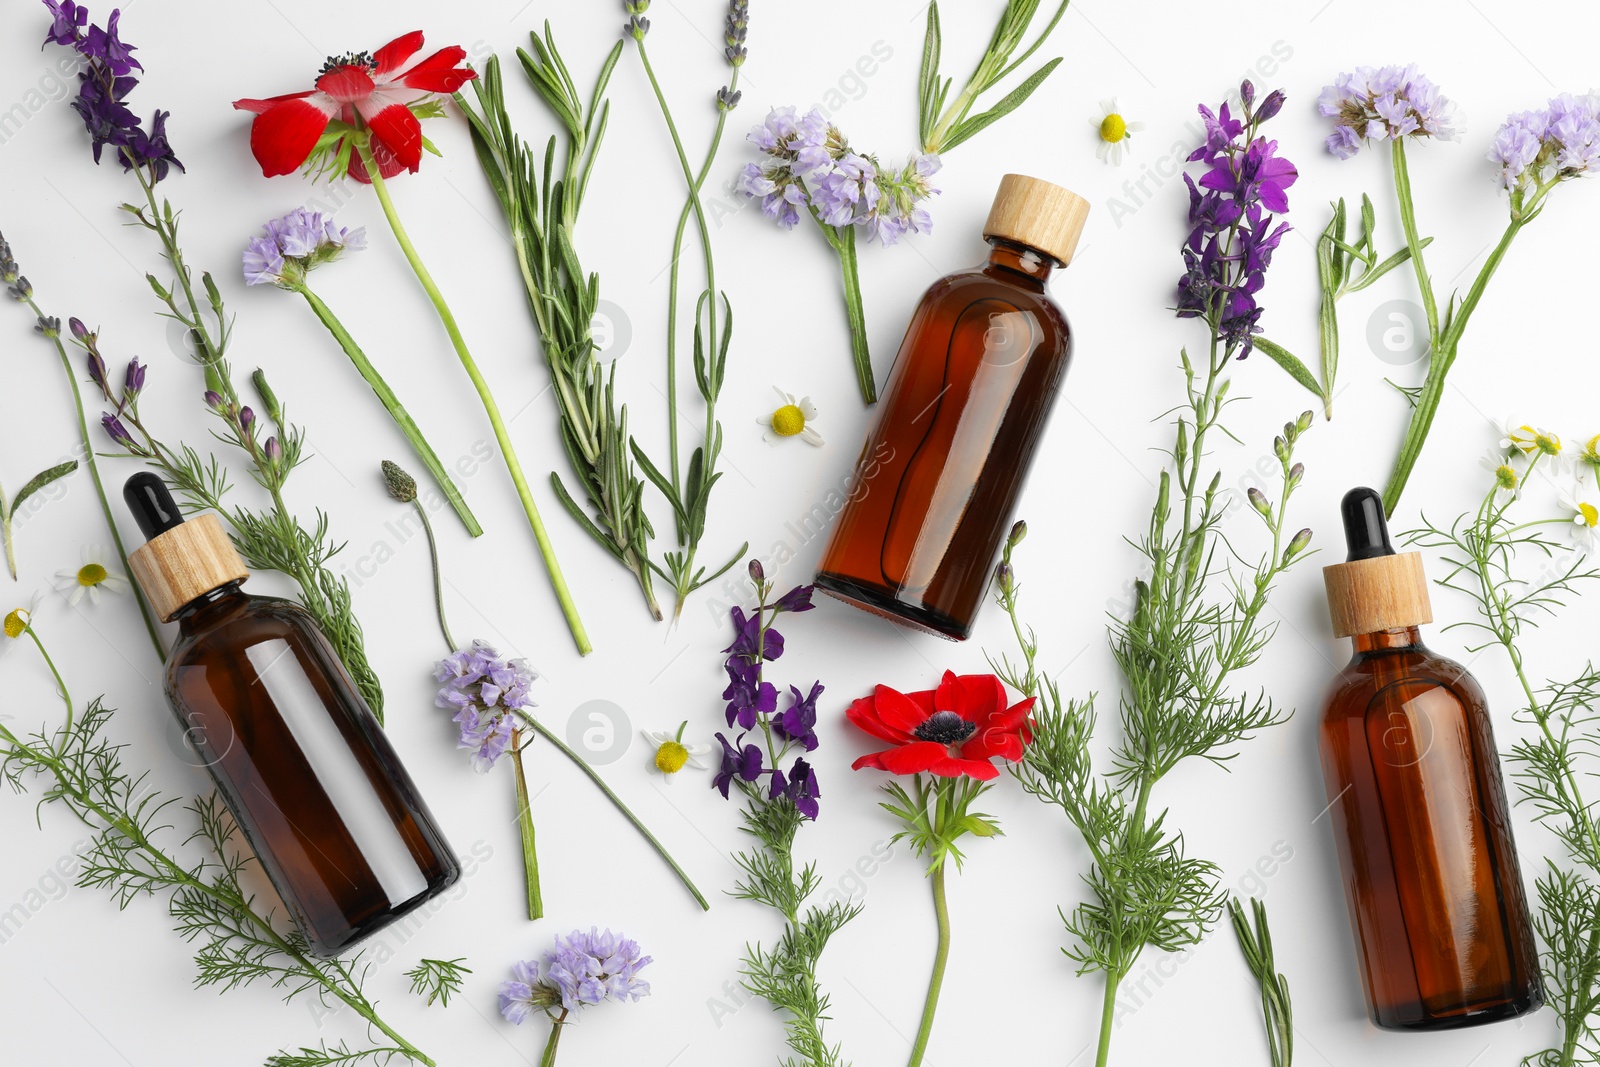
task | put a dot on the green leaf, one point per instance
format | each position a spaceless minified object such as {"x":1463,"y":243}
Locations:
{"x":42,"y":479}
{"x":1289,"y":362}
{"x":1007,"y":104}
{"x":658,"y":479}
{"x":928,"y":94}
{"x":1385,"y":267}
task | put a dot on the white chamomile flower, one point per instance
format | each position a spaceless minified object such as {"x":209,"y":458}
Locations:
{"x":792,"y":418}
{"x":1114,"y":131}
{"x":92,"y":577}
{"x":1585,"y":520}
{"x":672,"y":755}
{"x":1497,"y":461}
{"x":17,"y":621}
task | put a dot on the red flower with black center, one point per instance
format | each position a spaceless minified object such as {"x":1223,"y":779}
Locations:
{"x":953,"y":731}
{"x":362,"y":92}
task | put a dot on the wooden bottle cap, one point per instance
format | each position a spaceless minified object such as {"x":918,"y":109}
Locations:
{"x":1366,"y":596}
{"x":185,"y":562}
{"x":1037,"y":214}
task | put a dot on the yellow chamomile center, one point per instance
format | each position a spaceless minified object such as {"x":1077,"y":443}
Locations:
{"x":671,"y":757}
{"x":788,"y":421}
{"x":1505,"y":476}
{"x":91,"y":574}
{"x":17,"y":622}
{"x":1588,"y":514}
{"x":1113,"y":128}
{"x":1591,"y":451}
{"x":1548,"y":443}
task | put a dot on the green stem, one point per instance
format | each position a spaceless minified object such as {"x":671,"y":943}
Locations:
{"x":600,"y":783}
{"x":61,"y":684}
{"x":1408,"y":222}
{"x":940,"y":957}
{"x":530,"y":854}
{"x":1108,"y":1015}
{"x":438,"y":579}
{"x":9,"y":536}
{"x":557,"y":1023}
{"x":150,"y":624}
{"x":210,"y":351}
{"x":570,"y":610}
{"x":844,"y":242}
{"x":397,"y":411}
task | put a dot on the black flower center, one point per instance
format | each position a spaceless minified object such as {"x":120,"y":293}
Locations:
{"x":351,"y":59}
{"x":945,"y":728}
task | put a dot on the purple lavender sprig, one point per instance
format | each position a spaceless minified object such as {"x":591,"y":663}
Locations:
{"x":584,"y":969}
{"x":103,"y":91}
{"x":766,"y":735}
{"x":1232,"y":234}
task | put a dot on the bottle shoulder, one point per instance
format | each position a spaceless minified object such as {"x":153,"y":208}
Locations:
{"x":1354,"y":689}
{"x":986,"y":281}
{"x":240,"y":622}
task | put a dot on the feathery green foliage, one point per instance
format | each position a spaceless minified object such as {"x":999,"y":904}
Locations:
{"x":438,"y":979}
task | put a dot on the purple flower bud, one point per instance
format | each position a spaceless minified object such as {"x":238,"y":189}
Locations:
{"x":115,"y":430}
{"x":133,"y":381}
{"x":1247,"y":92}
{"x":1270,"y":106}
{"x":247,"y":419}
{"x":97,"y":370}
{"x":214,"y":400}
{"x":757,"y":572}
{"x":79,"y":330}
{"x":274,"y":450}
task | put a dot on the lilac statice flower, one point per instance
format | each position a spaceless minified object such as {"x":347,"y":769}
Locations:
{"x":582,"y":969}
{"x":1384,"y":103}
{"x":292,"y":246}
{"x":1232,"y":235}
{"x":1537,"y":149}
{"x":813,"y":168}
{"x":486,"y":691}
{"x":103,"y":91}
{"x":752,"y":707}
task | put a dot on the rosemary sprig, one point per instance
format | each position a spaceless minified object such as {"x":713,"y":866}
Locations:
{"x":691,"y":498}
{"x":542,"y":218}
{"x":944,"y":122}
{"x":1276,"y":1012}
{"x":1482,"y":550}
{"x":238,"y":943}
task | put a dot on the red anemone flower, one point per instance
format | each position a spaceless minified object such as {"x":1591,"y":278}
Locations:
{"x":954,"y":730}
{"x":359,"y":89}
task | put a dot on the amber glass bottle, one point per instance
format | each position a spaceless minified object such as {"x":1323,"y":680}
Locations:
{"x":961,"y":418}
{"x":306,"y":770}
{"x":1417,"y":805}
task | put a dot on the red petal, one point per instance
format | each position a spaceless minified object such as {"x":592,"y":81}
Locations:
{"x":397,"y":51}
{"x":986,"y":744}
{"x":397,"y":128}
{"x":437,"y":73}
{"x":898,"y":711}
{"x":913,"y":758}
{"x":950,"y":767}
{"x":261,"y":107}
{"x":348,"y":85}
{"x":865,"y":717}
{"x":388,"y":165}
{"x":284,"y":135}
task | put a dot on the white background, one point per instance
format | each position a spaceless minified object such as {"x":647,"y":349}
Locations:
{"x":82,"y":982}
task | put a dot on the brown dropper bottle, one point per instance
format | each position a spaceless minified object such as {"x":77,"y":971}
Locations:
{"x":1417,"y":805}
{"x":307,"y":772}
{"x":975,"y":379}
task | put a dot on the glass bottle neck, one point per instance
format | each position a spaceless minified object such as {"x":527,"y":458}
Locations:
{"x":1020,"y":259}
{"x":1388,"y":640}
{"x":190,"y":615}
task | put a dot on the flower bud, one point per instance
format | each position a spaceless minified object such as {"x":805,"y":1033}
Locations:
{"x":247,"y":419}
{"x":1304,"y":422}
{"x":79,"y":330}
{"x":133,"y":380}
{"x":758,"y":573}
{"x":97,"y":370}
{"x":50,"y":327}
{"x":1280,"y":448}
{"x":1270,"y":106}
{"x":115,"y":430}
{"x":637,"y":27}
{"x":268,"y":397}
{"x":274,"y":450}
{"x":1247,"y":92}
{"x":1296,"y":472}
{"x":1019,"y":530}
{"x":1259,"y":501}
{"x":214,"y":401}
{"x":1297,"y":545}
{"x":401,"y":485}
{"x":636,"y":7}
{"x":726,"y":100}
{"x":21,"y":289}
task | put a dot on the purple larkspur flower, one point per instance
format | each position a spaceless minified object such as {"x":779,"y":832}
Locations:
{"x":582,"y":969}
{"x":798,"y":723}
{"x":747,"y":635}
{"x":1232,"y":233}
{"x":739,"y":761}
{"x":802,"y":789}
{"x":796,"y":599}
{"x":1537,"y":149}
{"x":133,"y":381}
{"x":292,"y":245}
{"x":67,"y":23}
{"x":485,"y":690}
{"x":116,"y":430}
{"x":1384,"y":103}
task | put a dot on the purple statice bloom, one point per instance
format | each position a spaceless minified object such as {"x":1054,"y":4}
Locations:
{"x":295,"y":244}
{"x":581,"y":970}
{"x":1232,"y":234}
{"x":1537,"y":149}
{"x":798,"y":723}
{"x":740,"y":761}
{"x":1384,"y":103}
{"x":485,"y":690}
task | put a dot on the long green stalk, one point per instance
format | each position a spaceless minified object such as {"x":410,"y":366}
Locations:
{"x":941,"y":956}
{"x":558,"y":581}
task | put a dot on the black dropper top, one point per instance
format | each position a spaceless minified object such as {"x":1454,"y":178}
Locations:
{"x":152,"y":505}
{"x":1365,"y":530}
